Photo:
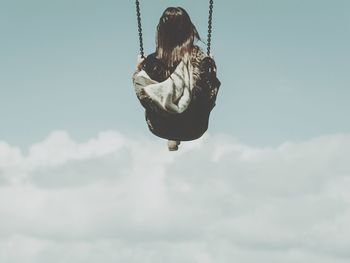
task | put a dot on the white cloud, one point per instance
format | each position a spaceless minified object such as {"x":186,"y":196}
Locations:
{"x":117,"y":199}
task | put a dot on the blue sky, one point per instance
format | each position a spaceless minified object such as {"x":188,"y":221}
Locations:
{"x":67,"y":65}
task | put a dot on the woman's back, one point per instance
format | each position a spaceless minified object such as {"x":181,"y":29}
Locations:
{"x":179,"y":77}
{"x":192,"y":123}
{"x":160,"y":71}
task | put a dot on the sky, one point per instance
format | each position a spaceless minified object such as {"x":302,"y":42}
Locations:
{"x":67,"y":65}
{"x":83,"y":180}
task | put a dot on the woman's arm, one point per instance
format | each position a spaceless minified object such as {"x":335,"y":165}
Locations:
{"x":208,"y":84}
{"x":139,"y":62}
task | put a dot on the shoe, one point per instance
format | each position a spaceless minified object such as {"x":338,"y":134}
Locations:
{"x":173,"y":145}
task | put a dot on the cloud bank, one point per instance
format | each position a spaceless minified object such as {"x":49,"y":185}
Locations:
{"x":120,"y":199}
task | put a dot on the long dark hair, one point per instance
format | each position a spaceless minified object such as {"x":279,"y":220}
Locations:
{"x":175,"y":36}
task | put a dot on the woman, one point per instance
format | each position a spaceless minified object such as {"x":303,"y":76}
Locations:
{"x":177,"y":84}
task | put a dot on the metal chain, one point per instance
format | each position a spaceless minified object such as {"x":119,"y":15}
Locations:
{"x":211,"y":2}
{"x":138,"y":14}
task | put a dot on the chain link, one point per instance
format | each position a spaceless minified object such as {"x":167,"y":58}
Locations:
{"x":138,"y":14}
{"x":210,"y":19}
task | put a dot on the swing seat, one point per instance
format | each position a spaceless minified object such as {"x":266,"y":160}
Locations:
{"x":181,"y":123}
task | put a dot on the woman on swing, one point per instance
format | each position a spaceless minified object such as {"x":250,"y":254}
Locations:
{"x":177,"y":84}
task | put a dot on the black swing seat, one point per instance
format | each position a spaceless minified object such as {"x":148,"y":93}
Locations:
{"x":193,"y":122}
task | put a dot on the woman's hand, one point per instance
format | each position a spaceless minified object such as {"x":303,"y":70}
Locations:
{"x":139,"y":62}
